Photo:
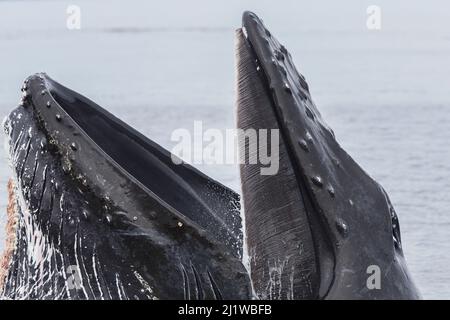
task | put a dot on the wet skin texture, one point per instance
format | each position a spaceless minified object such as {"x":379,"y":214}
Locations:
{"x":105,"y":214}
{"x":325,"y":220}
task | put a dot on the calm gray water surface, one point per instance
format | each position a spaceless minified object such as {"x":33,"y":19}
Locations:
{"x":161,"y":65}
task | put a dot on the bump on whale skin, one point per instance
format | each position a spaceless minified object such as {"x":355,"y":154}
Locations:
{"x":352,"y":223}
{"x":103,"y":213}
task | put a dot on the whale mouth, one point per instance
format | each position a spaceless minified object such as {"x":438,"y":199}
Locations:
{"x":98,"y":211}
{"x":290,"y":252}
{"x":97,"y":198}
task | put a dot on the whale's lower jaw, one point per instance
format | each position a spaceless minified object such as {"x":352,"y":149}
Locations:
{"x":316,"y":227}
{"x":283,"y":255}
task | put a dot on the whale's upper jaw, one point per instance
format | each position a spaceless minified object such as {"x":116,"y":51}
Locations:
{"x":352,"y":221}
{"x":98,"y":198}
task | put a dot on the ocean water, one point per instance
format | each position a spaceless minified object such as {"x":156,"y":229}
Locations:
{"x":160,"y":66}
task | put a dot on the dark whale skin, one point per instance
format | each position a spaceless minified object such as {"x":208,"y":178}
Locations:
{"x":352,"y":221}
{"x":105,"y":214}
{"x":87,"y":207}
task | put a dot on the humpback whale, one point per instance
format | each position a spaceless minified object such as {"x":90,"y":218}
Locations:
{"x":104,"y":213}
{"x":98,"y":211}
{"x":322,"y":223}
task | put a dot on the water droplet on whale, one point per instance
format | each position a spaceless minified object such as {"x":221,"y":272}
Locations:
{"x":331,"y":191}
{"x":303,"y":144}
{"x":287,"y":88}
{"x":43,"y":143}
{"x":23,"y":101}
{"x":85,"y":214}
{"x":342,"y":228}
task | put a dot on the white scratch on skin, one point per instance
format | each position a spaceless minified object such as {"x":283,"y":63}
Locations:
{"x":61,"y":203}
{"x":39,"y":249}
{"x":291,"y":280}
{"x":84,"y":265}
{"x":78,"y":266}
{"x":120,"y":289}
{"x":94,"y":267}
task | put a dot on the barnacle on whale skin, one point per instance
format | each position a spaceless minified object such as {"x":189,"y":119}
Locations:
{"x":11,"y":233}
